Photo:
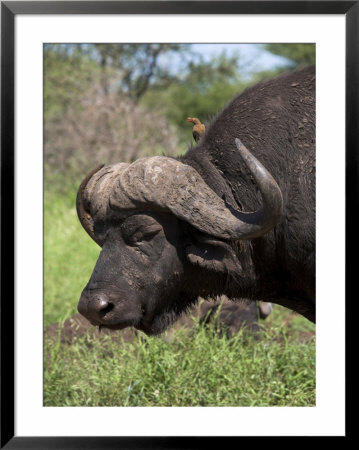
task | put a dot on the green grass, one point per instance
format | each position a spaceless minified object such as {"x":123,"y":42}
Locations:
{"x":69,"y":257}
{"x":199,"y":369}
{"x":187,"y":369}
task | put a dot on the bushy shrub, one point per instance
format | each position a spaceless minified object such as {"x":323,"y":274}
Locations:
{"x":103,"y":129}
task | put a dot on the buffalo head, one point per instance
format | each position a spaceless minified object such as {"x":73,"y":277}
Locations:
{"x":161,"y":228}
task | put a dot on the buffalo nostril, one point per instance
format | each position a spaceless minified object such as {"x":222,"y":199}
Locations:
{"x":105,"y":307}
{"x":95,"y":307}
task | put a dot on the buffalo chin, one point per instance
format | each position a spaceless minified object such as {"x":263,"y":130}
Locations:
{"x":158,"y":325}
{"x":147,"y":330}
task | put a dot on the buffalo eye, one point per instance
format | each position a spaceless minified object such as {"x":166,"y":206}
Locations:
{"x":141,"y":235}
{"x":140,"y":230}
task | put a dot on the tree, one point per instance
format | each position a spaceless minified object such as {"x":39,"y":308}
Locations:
{"x":69,"y":74}
{"x":133,"y":68}
{"x":126,"y":69}
{"x":296,"y":54}
{"x":203,"y":89}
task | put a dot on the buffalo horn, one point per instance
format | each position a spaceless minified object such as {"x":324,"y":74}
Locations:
{"x":82,"y":212}
{"x":165,"y":184}
{"x":255,"y":224}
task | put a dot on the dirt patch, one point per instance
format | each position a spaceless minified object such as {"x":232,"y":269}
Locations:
{"x":230,"y":317}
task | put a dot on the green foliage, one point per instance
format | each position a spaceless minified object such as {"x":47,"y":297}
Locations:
{"x":297,"y":55}
{"x":138,"y":66}
{"x":91,"y":115}
{"x":204,"y":89}
{"x":68,"y":75}
{"x":126,"y":69}
{"x":118,"y":102}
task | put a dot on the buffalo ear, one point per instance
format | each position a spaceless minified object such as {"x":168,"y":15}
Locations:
{"x":212,"y":254}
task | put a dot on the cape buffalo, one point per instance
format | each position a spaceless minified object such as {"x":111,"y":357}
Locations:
{"x":235,"y":215}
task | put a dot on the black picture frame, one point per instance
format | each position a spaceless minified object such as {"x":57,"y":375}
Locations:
{"x":9,"y":9}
